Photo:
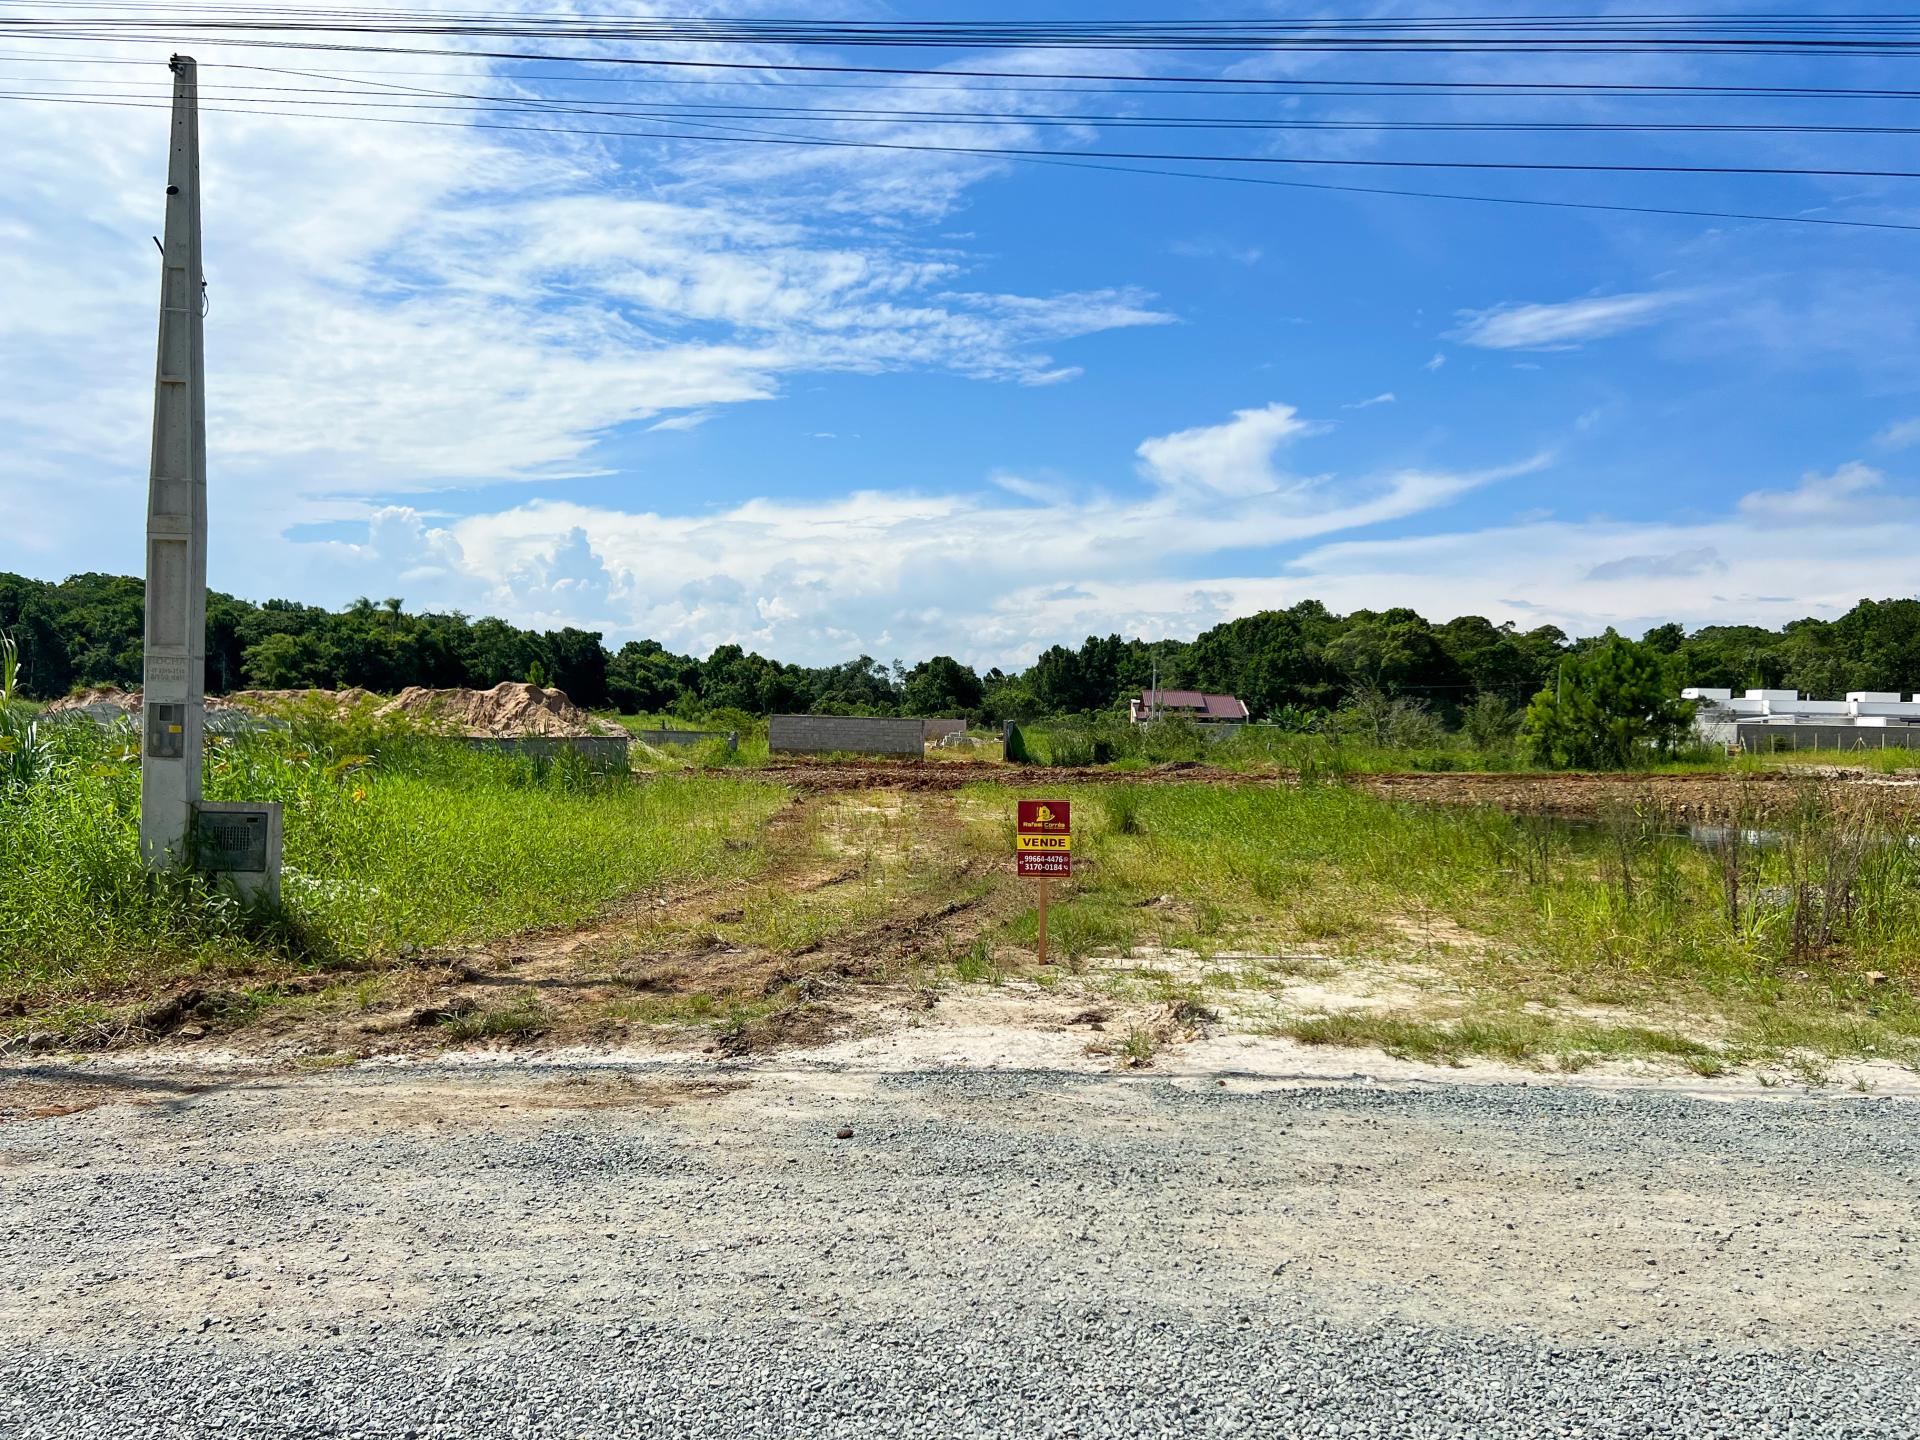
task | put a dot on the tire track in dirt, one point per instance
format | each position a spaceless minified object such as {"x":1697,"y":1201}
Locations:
{"x":668,"y":949}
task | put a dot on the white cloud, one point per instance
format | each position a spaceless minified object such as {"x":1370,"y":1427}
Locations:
{"x":1702,"y":561}
{"x":692,"y":420}
{"x":1850,"y":492}
{"x":995,"y":582}
{"x":1435,"y":363}
{"x":1385,"y":397}
{"x":1774,"y":556}
{"x":975,"y":574}
{"x":1562,"y":326}
{"x":400,"y":309}
{"x":1235,"y":458}
{"x":1900,"y":435}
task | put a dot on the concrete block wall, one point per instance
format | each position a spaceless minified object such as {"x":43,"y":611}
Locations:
{"x":854,"y":734}
{"x":939,"y":729}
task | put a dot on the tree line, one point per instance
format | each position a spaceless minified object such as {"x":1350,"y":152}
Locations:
{"x":1287,"y":665}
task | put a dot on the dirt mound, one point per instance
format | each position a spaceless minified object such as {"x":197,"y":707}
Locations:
{"x":104,"y":699}
{"x":109,"y":696}
{"x":346,"y":699}
{"x":510,"y":709}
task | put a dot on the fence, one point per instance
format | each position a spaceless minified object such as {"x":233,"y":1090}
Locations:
{"x":1766,"y":739}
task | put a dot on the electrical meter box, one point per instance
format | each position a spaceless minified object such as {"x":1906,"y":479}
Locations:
{"x":239,"y":841}
{"x":166,"y":731}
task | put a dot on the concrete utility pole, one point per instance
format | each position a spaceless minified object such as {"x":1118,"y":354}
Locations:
{"x":176,"y":639}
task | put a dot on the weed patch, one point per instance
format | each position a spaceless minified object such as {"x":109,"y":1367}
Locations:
{"x":418,"y":843}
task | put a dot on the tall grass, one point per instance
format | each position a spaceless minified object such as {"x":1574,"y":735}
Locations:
{"x":392,"y":840}
{"x":23,"y":757}
{"x":1827,"y":908}
{"x":1108,"y":739}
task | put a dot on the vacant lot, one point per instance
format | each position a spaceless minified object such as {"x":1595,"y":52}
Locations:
{"x":625,"y":1250}
{"x":477,"y":903}
{"x":436,"y":896}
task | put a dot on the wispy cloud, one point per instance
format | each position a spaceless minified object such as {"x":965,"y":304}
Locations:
{"x":1900,"y":435}
{"x":1659,"y":567}
{"x":1385,"y":397}
{"x":1852,"y":491}
{"x":1561,"y":326}
{"x":692,"y":420}
{"x":1214,"y":248}
{"x":398,"y":310}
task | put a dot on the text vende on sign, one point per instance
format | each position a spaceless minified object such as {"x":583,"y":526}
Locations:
{"x":1043,"y":842}
{"x":1043,"y":838}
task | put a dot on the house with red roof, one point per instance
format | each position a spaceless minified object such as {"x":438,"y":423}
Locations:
{"x":1193,"y":705}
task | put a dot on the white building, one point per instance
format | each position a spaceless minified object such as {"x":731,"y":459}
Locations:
{"x":1769,"y":719}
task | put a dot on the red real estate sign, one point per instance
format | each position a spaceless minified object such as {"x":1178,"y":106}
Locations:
{"x":1043,"y":840}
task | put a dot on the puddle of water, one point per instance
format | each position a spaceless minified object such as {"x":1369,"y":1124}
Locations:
{"x":1704,"y":837}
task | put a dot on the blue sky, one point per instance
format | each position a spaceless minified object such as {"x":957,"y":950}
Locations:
{"x":822,"y":403}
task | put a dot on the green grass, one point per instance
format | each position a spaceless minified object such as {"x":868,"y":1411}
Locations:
{"x":1113,"y":740}
{"x":1512,"y":1037}
{"x":424,"y":843}
{"x":1816,"y":948}
{"x":523,"y":1016}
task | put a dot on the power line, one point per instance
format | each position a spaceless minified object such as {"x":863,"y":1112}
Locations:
{"x":742,"y":137}
{"x":1072,"y":119}
{"x":141,"y":31}
{"x":1254,"y":89}
{"x":1776,"y":34}
{"x":1074,"y":162}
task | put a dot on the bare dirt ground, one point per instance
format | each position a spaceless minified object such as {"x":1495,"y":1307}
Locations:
{"x":1702,"y":797}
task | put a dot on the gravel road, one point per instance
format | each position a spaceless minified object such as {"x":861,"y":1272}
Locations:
{"x":644,"y":1250}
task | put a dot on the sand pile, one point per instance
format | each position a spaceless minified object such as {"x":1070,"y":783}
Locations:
{"x":112,"y":696}
{"x":101,"y":700}
{"x":511,"y":708}
{"x":508,"y":710}
{"x":346,"y":699}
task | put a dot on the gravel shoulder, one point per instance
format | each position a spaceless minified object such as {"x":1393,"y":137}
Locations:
{"x":646,"y":1248}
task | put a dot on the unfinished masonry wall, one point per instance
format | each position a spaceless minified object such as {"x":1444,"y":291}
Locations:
{"x":857,"y":734}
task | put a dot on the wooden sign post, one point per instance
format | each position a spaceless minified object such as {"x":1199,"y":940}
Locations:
{"x":1043,"y":848}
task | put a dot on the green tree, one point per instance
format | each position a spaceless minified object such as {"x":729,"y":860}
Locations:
{"x":1271,"y":660}
{"x":578,"y":664}
{"x":286,"y":662}
{"x":646,"y":678}
{"x":939,"y":686}
{"x":1396,"y":652}
{"x":1611,"y":706}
